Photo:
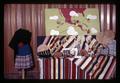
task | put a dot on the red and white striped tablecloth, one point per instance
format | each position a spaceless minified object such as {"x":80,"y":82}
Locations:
{"x":86,"y":67}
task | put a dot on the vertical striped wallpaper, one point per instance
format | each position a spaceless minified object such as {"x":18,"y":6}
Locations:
{"x":31,"y":17}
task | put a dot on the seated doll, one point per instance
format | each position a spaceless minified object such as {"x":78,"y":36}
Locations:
{"x":108,"y":43}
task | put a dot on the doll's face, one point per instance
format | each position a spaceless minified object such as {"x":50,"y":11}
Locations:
{"x":20,"y":44}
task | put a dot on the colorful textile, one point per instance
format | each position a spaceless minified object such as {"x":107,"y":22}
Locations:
{"x":111,"y":49}
{"x":87,"y":43}
{"x":23,"y":62}
{"x":86,"y":67}
{"x":76,"y":67}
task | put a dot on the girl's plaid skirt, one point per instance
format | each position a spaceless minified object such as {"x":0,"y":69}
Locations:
{"x":23,"y":62}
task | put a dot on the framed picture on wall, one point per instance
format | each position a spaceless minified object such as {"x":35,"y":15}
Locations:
{"x":72,"y":21}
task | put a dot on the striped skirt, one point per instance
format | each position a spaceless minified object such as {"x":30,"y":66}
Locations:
{"x":23,"y":62}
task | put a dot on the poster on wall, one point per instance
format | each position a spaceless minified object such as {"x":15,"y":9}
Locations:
{"x":72,"y":21}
